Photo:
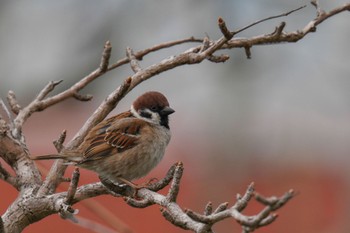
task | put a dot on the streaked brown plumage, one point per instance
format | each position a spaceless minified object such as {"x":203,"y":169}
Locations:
{"x":126,"y":146}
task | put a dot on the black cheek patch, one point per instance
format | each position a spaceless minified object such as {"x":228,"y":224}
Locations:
{"x":146,"y":114}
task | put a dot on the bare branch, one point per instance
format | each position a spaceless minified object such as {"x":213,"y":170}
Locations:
{"x":66,"y":211}
{"x":208,"y":209}
{"x":57,"y":170}
{"x":224,"y":30}
{"x":72,"y":187}
{"x":27,"y":180}
{"x":12,"y":100}
{"x":106,"y":55}
{"x":163,"y":182}
{"x":135,"y":66}
{"x":242,"y":202}
{"x":275,"y":202}
{"x":139,"y":55}
{"x":44,"y":92}
{"x":321,"y":16}
{"x":40,"y":103}
{"x":268,"y":18}
{"x":175,"y":184}
{"x":248,"y":53}
{"x":3,"y":106}
{"x":59,"y":142}
{"x":188,"y":219}
{"x":205,"y":44}
{"x":284,"y":37}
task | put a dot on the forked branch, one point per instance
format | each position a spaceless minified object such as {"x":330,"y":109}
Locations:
{"x":191,"y":220}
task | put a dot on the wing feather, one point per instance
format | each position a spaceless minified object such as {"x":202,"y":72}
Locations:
{"x":113,"y":136}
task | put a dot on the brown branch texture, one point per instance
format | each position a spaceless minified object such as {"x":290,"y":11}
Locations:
{"x":38,"y":198}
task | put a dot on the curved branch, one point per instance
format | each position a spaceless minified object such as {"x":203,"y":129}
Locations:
{"x":190,"y":220}
{"x":40,"y":103}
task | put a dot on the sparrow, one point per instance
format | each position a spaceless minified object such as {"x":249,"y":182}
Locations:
{"x":126,"y":146}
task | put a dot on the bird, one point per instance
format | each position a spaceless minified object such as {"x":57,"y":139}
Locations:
{"x":126,"y":146}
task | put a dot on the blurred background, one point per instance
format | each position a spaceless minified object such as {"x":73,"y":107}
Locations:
{"x":280,"y":119}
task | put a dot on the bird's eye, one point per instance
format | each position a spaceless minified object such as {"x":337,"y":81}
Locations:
{"x":154,"y":108}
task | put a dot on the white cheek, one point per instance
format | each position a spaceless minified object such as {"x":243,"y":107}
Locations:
{"x":155,"y":118}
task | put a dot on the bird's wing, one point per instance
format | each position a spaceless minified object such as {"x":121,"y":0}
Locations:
{"x":114,"y":136}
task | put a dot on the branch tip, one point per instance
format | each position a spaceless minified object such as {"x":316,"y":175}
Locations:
{"x":205,"y":44}
{"x":12,"y":100}
{"x":8,"y":113}
{"x":163,"y":182}
{"x":268,"y":18}
{"x":134,"y":64}
{"x":279,"y":29}
{"x":198,"y":217}
{"x":175,"y":184}
{"x":208,"y":209}
{"x":221,"y":207}
{"x":108,"y":44}
{"x":248,"y":52}
{"x":106,"y":55}
{"x":224,"y":30}
{"x":45,"y":91}
{"x":268,"y":220}
{"x":72,"y":187}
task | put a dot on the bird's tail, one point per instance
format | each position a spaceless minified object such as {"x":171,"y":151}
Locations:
{"x":50,"y":156}
{"x":69,"y":157}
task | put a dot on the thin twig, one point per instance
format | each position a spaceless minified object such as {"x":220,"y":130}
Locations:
{"x":208,"y":209}
{"x":242,"y":201}
{"x":268,"y":18}
{"x":134,"y":64}
{"x":59,"y":142}
{"x":140,"y":54}
{"x":224,"y":30}
{"x":4,"y":107}
{"x":106,"y":55}
{"x":45,"y":91}
{"x":66,"y":211}
{"x":72,"y":187}
{"x":175,"y":184}
{"x":163,"y":182}
{"x":12,"y":100}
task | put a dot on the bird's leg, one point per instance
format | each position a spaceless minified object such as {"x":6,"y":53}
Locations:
{"x":150,"y":181}
{"x":131,"y":184}
{"x":136,"y":187}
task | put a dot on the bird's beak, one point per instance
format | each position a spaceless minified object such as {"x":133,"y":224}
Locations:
{"x":166,"y":111}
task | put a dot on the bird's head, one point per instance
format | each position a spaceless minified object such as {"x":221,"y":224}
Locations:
{"x":153,"y":107}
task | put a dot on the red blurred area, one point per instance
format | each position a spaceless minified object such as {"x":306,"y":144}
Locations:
{"x":317,"y":207}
